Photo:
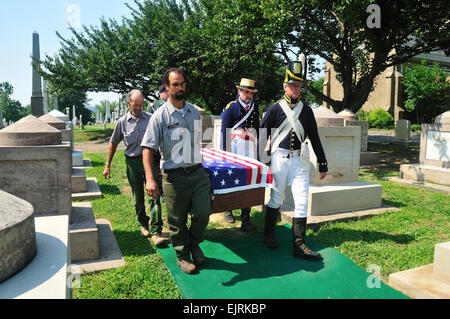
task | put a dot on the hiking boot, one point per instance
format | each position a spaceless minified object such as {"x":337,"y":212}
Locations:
{"x":186,"y":266}
{"x":145,"y":232}
{"x":159,"y":242}
{"x":270,"y":220}
{"x":299,"y":249}
{"x":246,"y":224}
{"x":197,"y":255}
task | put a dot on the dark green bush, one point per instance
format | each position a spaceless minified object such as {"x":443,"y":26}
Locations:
{"x":380,"y":118}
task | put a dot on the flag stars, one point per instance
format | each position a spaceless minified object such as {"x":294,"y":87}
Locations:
{"x":230,"y":172}
{"x":216,"y":173}
{"x":222,"y":182}
{"x":236,"y":181}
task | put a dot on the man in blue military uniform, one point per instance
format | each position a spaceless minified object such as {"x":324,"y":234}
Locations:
{"x":240,"y":125}
{"x":288,"y":123}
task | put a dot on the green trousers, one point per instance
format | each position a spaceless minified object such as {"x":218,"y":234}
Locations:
{"x":184,"y":193}
{"x":136,"y":178}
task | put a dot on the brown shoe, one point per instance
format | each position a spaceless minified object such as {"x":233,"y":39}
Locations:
{"x":159,"y":241}
{"x":197,"y":255}
{"x":186,"y":266}
{"x":145,"y":232}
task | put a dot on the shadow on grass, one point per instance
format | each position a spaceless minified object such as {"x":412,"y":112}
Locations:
{"x":259,"y":261}
{"x":109,"y":189}
{"x":393,"y":203}
{"x":132,"y":244}
{"x":338,"y":236}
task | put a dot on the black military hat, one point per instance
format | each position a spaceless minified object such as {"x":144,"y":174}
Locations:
{"x":293,"y":72}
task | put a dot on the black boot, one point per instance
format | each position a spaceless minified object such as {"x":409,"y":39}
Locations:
{"x":300,"y":250}
{"x":270,"y":221}
{"x":246,"y":224}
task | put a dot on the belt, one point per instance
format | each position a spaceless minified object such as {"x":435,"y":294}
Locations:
{"x":188,"y":169}
{"x":134,"y":157}
{"x":289,"y":153}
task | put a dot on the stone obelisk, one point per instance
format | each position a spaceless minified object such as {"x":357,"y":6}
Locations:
{"x":37,"y":100}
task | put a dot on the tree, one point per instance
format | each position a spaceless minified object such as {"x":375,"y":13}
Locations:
{"x":215,"y":42}
{"x":12,"y":110}
{"x":426,"y":88}
{"x":343,"y":34}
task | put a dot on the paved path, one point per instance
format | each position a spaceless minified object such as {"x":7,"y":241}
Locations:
{"x":96,"y":147}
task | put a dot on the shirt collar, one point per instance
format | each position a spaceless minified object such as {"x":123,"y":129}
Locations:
{"x":243,"y":104}
{"x":173,"y":109}
{"x":129,"y":116}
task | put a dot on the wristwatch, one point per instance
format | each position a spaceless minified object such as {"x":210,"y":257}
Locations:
{"x":107,"y":163}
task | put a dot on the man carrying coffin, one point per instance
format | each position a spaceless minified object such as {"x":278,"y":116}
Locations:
{"x":289,"y":123}
{"x":240,"y":124}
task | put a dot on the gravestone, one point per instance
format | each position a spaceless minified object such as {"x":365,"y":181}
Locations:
{"x":348,"y":115}
{"x":430,"y":281}
{"x":434,"y":157}
{"x":108,"y":112}
{"x":66,"y":133}
{"x":46,"y":97}
{"x":55,"y":103}
{"x":341,"y":190}
{"x":444,"y":118}
{"x":35,"y":166}
{"x":403,"y":130}
{"x":17,"y":235}
{"x":37,"y":100}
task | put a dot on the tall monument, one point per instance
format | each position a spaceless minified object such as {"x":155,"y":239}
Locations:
{"x":37,"y":100}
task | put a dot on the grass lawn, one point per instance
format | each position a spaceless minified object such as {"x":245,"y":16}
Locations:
{"x":93,"y":133}
{"x":394,"y":241}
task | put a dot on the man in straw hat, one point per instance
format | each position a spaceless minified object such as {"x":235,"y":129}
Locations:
{"x":289,"y":123}
{"x":240,"y":125}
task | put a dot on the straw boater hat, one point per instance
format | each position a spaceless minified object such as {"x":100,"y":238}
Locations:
{"x":293,"y":72}
{"x":247,"y":84}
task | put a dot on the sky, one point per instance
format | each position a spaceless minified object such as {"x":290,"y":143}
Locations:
{"x":20,"y":18}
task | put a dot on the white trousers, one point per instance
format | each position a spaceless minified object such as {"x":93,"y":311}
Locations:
{"x":243,"y":147}
{"x":290,"y":172}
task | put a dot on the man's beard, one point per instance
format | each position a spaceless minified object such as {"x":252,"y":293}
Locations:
{"x":180,"y":95}
{"x":136,"y":113}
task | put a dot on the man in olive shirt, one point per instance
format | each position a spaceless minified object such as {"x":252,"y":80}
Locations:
{"x":185,"y":183}
{"x":131,"y":129}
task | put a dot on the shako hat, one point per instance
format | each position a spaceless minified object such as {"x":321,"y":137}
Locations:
{"x":247,"y":84}
{"x":293,"y":72}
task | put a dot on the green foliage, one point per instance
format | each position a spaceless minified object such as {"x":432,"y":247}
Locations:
{"x":426,"y":88}
{"x":219,"y":41}
{"x":337,"y":31}
{"x":363,"y":115}
{"x":11,"y":109}
{"x":380,"y":118}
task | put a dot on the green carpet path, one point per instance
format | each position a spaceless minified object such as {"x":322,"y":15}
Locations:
{"x":243,"y":268}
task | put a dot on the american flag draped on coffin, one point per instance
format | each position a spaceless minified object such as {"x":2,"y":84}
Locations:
{"x":237,"y":181}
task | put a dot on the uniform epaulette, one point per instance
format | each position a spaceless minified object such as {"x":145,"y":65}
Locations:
{"x":228,"y":105}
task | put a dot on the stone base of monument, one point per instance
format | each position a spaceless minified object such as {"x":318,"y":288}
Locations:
{"x":83,"y":233}
{"x":110,"y":255}
{"x":78,"y":180}
{"x":337,"y":198}
{"x":431,"y":186}
{"x":426,"y":282}
{"x":421,"y":172}
{"x":46,"y":276}
{"x":92,"y":190}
